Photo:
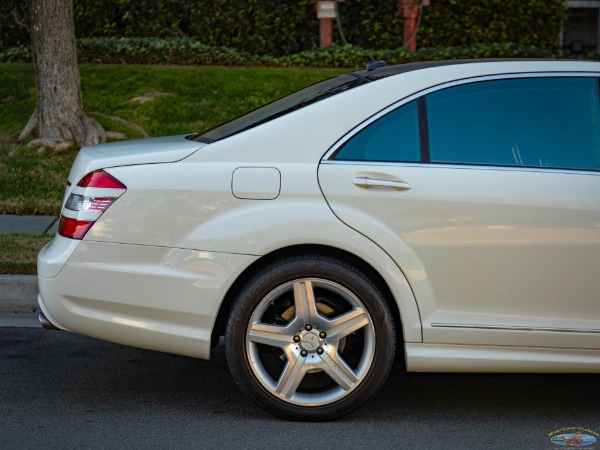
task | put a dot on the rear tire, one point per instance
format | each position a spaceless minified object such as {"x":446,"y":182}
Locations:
{"x":310,"y":338}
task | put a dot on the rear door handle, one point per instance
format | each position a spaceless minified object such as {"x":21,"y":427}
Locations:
{"x":368,"y":183}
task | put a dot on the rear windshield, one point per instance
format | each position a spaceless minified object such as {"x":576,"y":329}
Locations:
{"x":281,"y":107}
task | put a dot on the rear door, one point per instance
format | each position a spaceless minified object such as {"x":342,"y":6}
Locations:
{"x":487,"y":195}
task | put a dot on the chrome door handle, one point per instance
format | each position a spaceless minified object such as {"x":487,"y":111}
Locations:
{"x":368,"y":183}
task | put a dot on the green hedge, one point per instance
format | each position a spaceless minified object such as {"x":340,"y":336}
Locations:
{"x":462,"y":22}
{"x":189,"y":51}
{"x":284,"y":27}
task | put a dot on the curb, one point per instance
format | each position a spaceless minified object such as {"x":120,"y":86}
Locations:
{"x":18,"y":294}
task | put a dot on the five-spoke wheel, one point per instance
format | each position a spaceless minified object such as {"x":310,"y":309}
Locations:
{"x":310,"y":338}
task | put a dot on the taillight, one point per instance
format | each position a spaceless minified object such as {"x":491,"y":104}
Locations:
{"x":94,"y":193}
{"x":73,"y":228}
{"x":77,"y":202}
{"x":100,"y":179}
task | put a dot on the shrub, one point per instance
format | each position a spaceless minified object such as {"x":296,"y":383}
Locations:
{"x":285,"y":27}
{"x":189,"y":51}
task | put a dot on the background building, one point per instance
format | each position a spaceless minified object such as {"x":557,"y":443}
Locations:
{"x":581,"y":32}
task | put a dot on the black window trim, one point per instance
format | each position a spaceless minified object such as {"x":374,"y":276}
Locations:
{"x":423,"y":130}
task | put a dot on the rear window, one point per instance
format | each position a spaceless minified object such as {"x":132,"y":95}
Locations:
{"x":281,"y":107}
{"x":393,"y":138}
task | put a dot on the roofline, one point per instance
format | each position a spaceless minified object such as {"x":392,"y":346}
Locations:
{"x":386,"y":71}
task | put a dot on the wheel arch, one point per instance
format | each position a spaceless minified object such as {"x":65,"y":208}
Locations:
{"x":309,"y":249}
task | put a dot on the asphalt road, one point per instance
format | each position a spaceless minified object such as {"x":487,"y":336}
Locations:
{"x":60,"y":390}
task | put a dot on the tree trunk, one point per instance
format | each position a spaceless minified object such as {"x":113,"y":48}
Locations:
{"x":59,"y":116}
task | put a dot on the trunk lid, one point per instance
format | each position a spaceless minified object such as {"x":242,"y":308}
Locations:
{"x":127,"y":153}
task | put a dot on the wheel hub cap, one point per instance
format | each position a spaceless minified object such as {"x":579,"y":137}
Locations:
{"x":309,"y":341}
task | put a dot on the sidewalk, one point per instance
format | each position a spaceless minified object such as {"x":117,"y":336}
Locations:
{"x":18,"y":301}
{"x":18,"y":293}
{"x":10,"y":223}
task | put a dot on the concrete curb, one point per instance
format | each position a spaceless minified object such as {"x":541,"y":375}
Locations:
{"x":18,"y":294}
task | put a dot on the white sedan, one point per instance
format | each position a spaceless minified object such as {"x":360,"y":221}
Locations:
{"x":444,"y":213}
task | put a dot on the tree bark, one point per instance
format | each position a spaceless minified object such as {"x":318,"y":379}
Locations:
{"x":59,"y":117}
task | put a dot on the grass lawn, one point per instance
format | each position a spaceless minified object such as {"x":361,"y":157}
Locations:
{"x":186,"y":100}
{"x":190,"y":99}
{"x":18,"y":252}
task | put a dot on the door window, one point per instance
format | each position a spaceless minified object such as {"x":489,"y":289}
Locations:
{"x":529,"y":122}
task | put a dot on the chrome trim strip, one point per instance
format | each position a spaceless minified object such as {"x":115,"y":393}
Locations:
{"x":464,"y":167}
{"x":515,"y":328}
{"x":439,"y":87}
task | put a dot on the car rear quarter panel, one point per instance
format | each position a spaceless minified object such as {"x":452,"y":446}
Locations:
{"x":197,"y":211}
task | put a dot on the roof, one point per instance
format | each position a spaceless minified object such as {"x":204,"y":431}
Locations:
{"x":397,"y":69}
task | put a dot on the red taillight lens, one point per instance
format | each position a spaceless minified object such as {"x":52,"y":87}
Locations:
{"x":88,"y":201}
{"x":100,"y":179}
{"x":73,"y":228}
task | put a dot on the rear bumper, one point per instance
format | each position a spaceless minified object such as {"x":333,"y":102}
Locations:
{"x":54,"y":256}
{"x":149,"y":297}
